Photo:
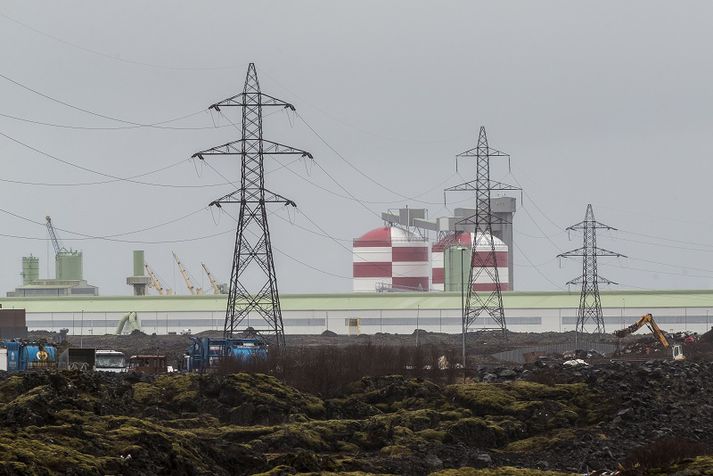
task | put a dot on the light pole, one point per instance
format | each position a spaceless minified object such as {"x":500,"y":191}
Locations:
{"x":462,"y":307}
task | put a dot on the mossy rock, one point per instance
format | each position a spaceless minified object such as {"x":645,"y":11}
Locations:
{"x":432,"y":435}
{"x":501,"y":471}
{"x":476,"y":433}
{"x":396,"y":451}
{"x":541,"y":443}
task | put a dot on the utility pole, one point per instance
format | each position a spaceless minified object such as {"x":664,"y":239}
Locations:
{"x":488,"y":302}
{"x":589,"y":315}
{"x":253,"y":281}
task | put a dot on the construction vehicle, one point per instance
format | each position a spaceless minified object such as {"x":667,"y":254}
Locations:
{"x":648,"y":320}
{"x":155,"y":283}
{"x":18,"y":356}
{"x":206,"y":353}
{"x":109,"y":361}
{"x":77,"y":359}
{"x":217,"y":287}
{"x":187,"y":278}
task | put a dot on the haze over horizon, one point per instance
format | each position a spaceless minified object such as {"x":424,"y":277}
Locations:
{"x":608,"y":106}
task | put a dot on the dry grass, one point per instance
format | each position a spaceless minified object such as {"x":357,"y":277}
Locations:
{"x":326,"y":370}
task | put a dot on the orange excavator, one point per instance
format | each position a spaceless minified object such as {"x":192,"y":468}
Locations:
{"x":648,"y":321}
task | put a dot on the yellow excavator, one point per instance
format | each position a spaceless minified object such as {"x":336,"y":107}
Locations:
{"x":648,"y":321}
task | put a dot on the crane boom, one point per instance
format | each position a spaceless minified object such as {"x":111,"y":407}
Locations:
{"x":646,"y":320}
{"x":53,"y":236}
{"x":213,"y":283}
{"x":155,"y":282}
{"x":186,"y":277}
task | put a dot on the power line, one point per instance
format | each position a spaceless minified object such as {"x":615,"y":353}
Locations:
{"x":355,"y":168}
{"x":537,"y":268}
{"x":112,"y":57}
{"x":104,"y":128}
{"x":108,"y":238}
{"x":103,"y":174}
{"x":289,"y":256}
{"x":158,"y":125}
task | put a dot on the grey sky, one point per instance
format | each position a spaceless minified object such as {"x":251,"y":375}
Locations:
{"x":608,"y":103}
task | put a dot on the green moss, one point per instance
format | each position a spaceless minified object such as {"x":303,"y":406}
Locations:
{"x":346,"y":447}
{"x":699,"y":466}
{"x":540,"y":443}
{"x":10,"y":388}
{"x":483,"y":398}
{"x":146,"y":393}
{"x":502,"y":471}
{"x":432,"y":435}
{"x":395,"y":451}
{"x":477,"y":433}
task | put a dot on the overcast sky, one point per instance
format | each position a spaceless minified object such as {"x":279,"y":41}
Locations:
{"x":608,"y":103}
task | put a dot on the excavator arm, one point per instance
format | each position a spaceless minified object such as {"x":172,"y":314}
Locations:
{"x":646,"y":320}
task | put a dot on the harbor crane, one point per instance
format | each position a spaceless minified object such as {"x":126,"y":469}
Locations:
{"x":58,"y":248}
{"x":186,"y":277}
{"x":217,"y":287}
{"x":156,"y":283}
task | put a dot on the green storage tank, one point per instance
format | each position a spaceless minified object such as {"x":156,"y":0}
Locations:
{"x":30,"y":269}
{"x":456,"y":276}
{"x":68,"y":266}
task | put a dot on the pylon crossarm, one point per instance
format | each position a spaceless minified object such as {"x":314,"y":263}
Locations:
{"x":471,"y":220}
{"x":603,"y":252}
{"x":590,"y":224}
{"x":476,"y":151}
{"x":231,"y":148}
{"x":234,"y":197}
{"x":248,"y":100}
{"x":236,"y":148}
{"x":572,"y":253}
{"x":275,"y":148}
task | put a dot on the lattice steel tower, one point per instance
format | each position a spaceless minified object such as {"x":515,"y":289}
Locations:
{"x":253,"y":281}
{"x":590,"y":315}
{"x":487,"y":304}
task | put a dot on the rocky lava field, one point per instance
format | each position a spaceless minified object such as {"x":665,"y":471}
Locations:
{"x":540,"y":419}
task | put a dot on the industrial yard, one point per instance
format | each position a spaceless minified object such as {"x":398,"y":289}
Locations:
{"x":362,"y":415}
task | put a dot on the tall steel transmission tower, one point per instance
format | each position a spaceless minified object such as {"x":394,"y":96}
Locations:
{"x":253,"y":281}
{"x":485,"y":304}
{"x":589,"y":316}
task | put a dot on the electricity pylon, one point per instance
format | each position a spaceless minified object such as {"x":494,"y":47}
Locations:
{"x":590,"y":305}
{"x":253,"y":281}
{"x":486,"y":303}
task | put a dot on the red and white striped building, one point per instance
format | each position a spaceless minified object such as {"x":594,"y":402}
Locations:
{"x":391,"y":257}
{"x":483,"y":249}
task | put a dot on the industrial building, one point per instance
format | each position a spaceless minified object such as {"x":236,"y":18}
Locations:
{"x":68,"y":273}
{"x":366,"y":313}
{"x":68,"y":280}
{"x":396,"y":257}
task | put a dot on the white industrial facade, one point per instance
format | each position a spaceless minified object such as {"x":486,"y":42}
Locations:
{"x":395,"y":313}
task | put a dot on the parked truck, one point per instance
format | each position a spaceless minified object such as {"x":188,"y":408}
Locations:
{"x":148,"y":364}
{"x":18,"y":356}
{"x":77,"y":359}
{"x":205,"y":353}
{"x":110,"y":361}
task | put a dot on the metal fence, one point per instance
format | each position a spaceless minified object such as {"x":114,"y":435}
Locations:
{"x":519,"y":355}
